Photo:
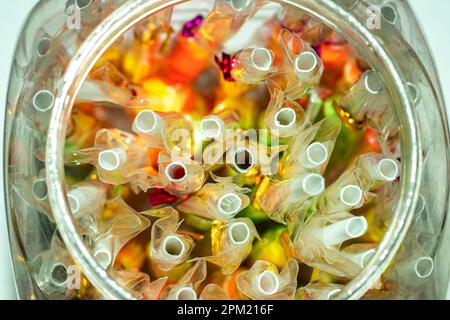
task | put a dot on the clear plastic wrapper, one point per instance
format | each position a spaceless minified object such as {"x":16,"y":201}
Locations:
{"x":302,"y":69}
{"x":86,"y":201}
{"x":107,"y":86}
{"x":214,"y":127}
{"x":53,"y":269}
{"x":284,"y":118}
{"x":231,"y":243}
{"x":136,"y":282}
{"x":114,"y":232}
{"x":217,"y":201}
{"x":284,"y":196}
{"x":253,"y":65}
{"x":34,"y":191}
{"x":264,"y":282}
{"x":318,"y":240}
{"x":167,"y":131}
{"x":311,"y":150}
{"x":373,"y":169}
{"x":119,"y":159}
{"x":344,"y":194}
{"x":247,"y":156}
{"x":168,"y":248}
{"x":183,"y":176}
{"x":367,"y":99}
{"x":188,"y":286}
{"x":319,"y":291}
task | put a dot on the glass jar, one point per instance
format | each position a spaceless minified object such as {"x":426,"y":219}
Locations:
{"x":63,"y":39}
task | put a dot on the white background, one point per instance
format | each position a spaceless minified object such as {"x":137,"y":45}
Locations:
{"x":434,"y":15}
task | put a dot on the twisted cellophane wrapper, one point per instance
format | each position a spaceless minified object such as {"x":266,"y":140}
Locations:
{"x":265,"y":159}
{"x":192,"y":280}
{"x":193,"y":175}
{"x":225,"y":252}
{"x":245,"y":69}
{"x":330,"y":201}
{"x":319,"y":291}
{"x":287,"y":281}
{"x":162,"y":229}
{"x":364,"y":103}
{"x":107,"y":86}
{"x":293,"y":162}
{"x":53,"y":269}
{"x":282,"y":198}
{"x":366,"y":170}
{"x":296,"y":84}
{"x":114,"y":231}
{"x":171,"y":132}
{"x":206,"y":202}
{"x":214,"y":152}
{"x":34,"y":192}
{"x":278,"y":102}
{"x":226,"y":120}
{"x":309,"y":247}
{"x":405,"y":272}
{"x":137,"y":283}
{"x":132,"y":170}
{"x":88,"y":200}
{"x":224,"y":21}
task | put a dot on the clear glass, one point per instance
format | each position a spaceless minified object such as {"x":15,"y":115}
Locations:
{"x":53,"y":55}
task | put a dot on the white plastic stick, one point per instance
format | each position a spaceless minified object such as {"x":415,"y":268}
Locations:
{"x":333,"y":293}
{"x":268,"y":283}
{"x":43,"y":100}
{"x":103,"y":252}
{"x":389,"y":14}
{"x":305,"y":64}
{"x":39,"y":190}
{"x":174,"y":247}
{"x":186,"y":293}
{"x":147,"y":123}
{"x":83,"y":198}
{"x":373,"y":83}
{"x":176,"y":172}
{"x":338,"y":232}
{"x":423,"y":267}
{"x":83,"y":4}
{"x":43,"y":47}
{"x":362,"y":258}
{"x":315,"y":155}
{"x":387,"y":170}
{"x":421,"y":205}
{"x":310,"y":185}
{"x":261,"y":59}
{"x":112,"y":159}
{"x":414,"y":93}
{"x":212,"y":127}
{"x":351,"y":195}
{"x":240,"y":5}
{"x":239,"y":232}
{"x":243,"y":160}
{"x":58,"y":274}
{"x":229,"y":204}
{"x":285,"y":118}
